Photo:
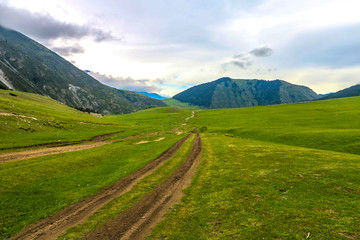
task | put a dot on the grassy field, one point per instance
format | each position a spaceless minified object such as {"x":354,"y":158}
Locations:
{"x":121,"y":203}
{"x":29,"y":119}
{"x":329,"y":125}
{"x":273,"y":172}
{"x":33,"y":189}
{"x":264,"y":176}
{"x":248,"y":189}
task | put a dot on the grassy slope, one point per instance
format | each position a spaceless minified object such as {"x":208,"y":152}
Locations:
{"x":251,"y":189}
{"x":175,"y":103}
{"x":236,"y":192}
{"x":58,"y":122}
{"x":35,"y":188}
{"x":53,"y":121}
{"x":330,"y":125}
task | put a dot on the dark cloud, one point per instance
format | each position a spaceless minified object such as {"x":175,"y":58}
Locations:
{"x":69,"y":50}
{"x":262,"y":52}
{"x":239,"y":64}
{"x":142,"y":85}
{"x":46,"y":27}
{"x":239,"y":56}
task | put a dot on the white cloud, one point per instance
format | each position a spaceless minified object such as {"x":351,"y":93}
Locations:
{"x":187,"y":42}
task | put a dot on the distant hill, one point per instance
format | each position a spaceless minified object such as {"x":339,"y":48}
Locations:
{"x":27,"y":66}
{"x":347,"y":92}
{"x":152,"y":95}
{"x":175,"y":103}
{"x":234,"y":93}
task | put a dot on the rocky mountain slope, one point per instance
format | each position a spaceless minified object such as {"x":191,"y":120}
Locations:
{"x":27,"y":66}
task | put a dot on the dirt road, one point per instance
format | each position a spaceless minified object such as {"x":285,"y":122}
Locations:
{"x":54,"y":148}
{"x":136,"y":222}
{"x":52,"y":227}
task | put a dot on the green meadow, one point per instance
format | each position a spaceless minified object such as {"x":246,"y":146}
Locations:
{"x":274,"y":172}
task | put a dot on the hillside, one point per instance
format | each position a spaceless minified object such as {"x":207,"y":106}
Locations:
{"x":152,"y":95}
{"x":292,"y":168}
{"x":347,"y":92}
{"x":27,"y":66}
{"x":234,"y":93}
{"x":175,"y":103}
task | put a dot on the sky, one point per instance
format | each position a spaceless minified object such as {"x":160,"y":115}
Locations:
{"x":167,"y":46}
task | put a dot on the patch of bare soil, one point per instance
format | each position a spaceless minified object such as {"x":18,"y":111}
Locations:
{"x":90,"y":143}
{"x":64,"y":143}
{"x":16,"y":115}
{"x":52,"y":227}
{"x":137,"y":221}
{"x":159,"y":139}
{"x":14,"y":156}
{"x":142,"y":142}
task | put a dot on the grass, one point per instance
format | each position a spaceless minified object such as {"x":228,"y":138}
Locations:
{"x":37,"y":119}
{"x":121,"y":203}
{"x":273,"y":172}
{"x":329,"y":125}
{"x":35,"y":188}
{"x":248,"y":189}
{"x":175,"y":103}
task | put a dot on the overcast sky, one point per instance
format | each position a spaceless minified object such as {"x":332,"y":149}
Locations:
{"x":166,"y":46}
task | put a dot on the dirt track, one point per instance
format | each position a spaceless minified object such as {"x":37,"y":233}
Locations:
{"x":137,"y":221}
{"x":52,"y":227}
{"x":64,"y":143}
{"x":54,"y":148}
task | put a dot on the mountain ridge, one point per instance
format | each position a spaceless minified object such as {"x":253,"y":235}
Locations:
{"x":27,"y":66}
{"x":347,"y":92}
{"x":231,"y":93}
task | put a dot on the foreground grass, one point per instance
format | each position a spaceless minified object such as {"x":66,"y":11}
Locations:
{"x":35,"y":188}
{"x":121,"y":203}
{"x":329,"y":125}
{"x":247,"y":189}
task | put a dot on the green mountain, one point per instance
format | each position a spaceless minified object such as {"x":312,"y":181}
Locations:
{"x":347,"y":92}
{"x":234,"y":93}
{"x":27,"y":66}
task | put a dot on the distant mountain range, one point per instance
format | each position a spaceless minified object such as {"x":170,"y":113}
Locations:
{"x":347,"y":92}
{"x":152,"y":95}
{"x":27,"y":66}
{"x":234,"y":93}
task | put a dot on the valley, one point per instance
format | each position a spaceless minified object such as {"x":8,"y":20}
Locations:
{"x":179,"y":120}
{"x":285,"y":171}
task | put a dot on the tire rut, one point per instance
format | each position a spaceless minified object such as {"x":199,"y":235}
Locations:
{"x":53,"y":226}
{"x":136,"y":222}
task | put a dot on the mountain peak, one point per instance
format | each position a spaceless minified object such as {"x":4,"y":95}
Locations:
{"x":232,"y":93}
